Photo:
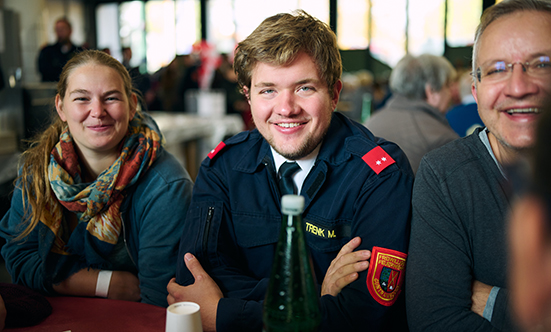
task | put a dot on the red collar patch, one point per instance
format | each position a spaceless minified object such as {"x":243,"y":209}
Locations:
{"x":217,"y":149}
{"x":378,"y":159}
{"x":386,"y":275}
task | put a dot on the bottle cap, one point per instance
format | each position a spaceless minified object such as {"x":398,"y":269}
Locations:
{"x":292,"y":204}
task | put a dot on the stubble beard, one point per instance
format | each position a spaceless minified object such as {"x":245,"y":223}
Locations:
{"x":305,"y":148}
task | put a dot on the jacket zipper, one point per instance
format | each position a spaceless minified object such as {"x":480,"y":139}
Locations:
{"x":210,"y":214}
{"x":126,"y":243}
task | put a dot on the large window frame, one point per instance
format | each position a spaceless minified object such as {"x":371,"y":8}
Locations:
{"x":387,"y":43}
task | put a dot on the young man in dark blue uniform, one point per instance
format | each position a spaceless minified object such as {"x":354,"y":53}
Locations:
{"x":357,"y":191}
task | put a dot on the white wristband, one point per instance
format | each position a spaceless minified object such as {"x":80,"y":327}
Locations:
{"x":102,"y":285}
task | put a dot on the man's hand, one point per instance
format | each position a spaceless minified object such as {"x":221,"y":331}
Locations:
{"x":480,"y":295}
{"x":345,"y":267}
{"x":204,"y":291}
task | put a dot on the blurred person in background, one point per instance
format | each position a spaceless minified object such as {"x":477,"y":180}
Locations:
{"x":464,"y":118}
{"x":52,"y":58}
{"x":414,"y":116}
{"x":141,"y":81}
{"x":225,"y":78}
{"x":356,"y":99}
{"x":126,"y":57}
{"x":530,"y":236}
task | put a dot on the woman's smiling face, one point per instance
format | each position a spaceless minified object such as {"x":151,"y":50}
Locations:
{"x":96,"y":109}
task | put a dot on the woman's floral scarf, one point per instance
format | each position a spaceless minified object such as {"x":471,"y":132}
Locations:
{"x":97,"y":204}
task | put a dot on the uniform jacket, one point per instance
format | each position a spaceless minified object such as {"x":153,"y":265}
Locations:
{"x":234,"y":220}
{"x":414,"y":125}
{"x":153,"y":214}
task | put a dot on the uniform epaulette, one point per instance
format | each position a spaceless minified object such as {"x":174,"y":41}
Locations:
{"x":217,"y":149}
{"x":378,"y":159}
{"x":230,"y":141}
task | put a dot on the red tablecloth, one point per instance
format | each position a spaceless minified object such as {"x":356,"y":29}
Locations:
{"x":82,"y":314}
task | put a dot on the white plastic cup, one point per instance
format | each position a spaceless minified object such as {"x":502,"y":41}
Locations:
{"x":183,"y":317}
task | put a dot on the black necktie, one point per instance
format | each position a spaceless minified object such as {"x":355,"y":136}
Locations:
{"x":286,"y":183}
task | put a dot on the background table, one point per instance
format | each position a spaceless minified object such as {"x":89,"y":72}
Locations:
{"x":82,"y":314}
{"x":190,"y":137}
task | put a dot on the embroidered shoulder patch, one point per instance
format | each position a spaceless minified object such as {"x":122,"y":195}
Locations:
{"x":217,"y":149}
{"x":378,"y":159}
{"x":386,"y":275}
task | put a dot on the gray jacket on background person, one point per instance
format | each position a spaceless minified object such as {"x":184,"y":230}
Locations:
{"x":414,"y":125}
{"x":414,"y":118}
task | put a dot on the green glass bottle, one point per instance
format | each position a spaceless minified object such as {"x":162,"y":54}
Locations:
{"x":292,"y":302}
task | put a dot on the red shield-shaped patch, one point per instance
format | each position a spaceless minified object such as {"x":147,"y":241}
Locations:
{"x":386,"y":275}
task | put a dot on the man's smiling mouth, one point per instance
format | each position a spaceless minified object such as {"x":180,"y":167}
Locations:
{"x":534,"y":110}
{"x":289,"y":125}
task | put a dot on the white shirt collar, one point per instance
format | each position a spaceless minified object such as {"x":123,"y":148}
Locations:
{"x":306,"y":164}
{"x":483,"y":135}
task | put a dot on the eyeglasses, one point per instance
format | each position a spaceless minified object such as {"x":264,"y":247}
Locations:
{"x":500,"y":70}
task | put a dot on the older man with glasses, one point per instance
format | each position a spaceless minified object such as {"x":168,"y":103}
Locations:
{"x":457,"y":265}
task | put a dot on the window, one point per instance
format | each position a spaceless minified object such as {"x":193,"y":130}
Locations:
{"x":160,"y":36}
{"x":388,"y":36}
{"x":426,"y":26}
{"x":392,"y":28}
{"x":157,"y":30}
{"x":132,"y":22}
{"x":231,"y":21}
{"x":106,"y":26}
{"x":463,"y":18}
{"x":188,"y":25}
{"x":353,"y":24}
